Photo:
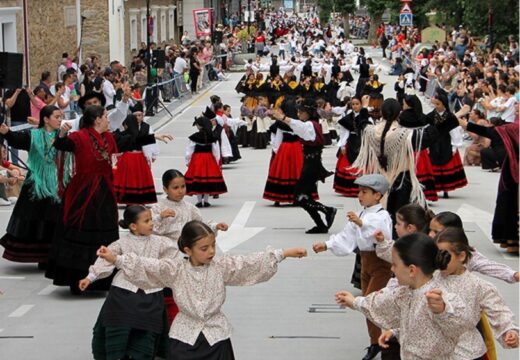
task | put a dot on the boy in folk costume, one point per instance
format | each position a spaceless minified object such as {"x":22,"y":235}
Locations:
{"x":360,"y":233}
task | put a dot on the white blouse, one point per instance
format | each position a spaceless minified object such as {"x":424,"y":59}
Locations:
{"x":153,"y":246}
{"x":200,"y":291}
{"x":171,"y":227}
{"x":422,"y":333}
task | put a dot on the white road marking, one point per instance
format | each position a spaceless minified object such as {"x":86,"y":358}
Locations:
{"x":12,"y":277}
{"x":237,"y":232}
{"x":48,"y":290}
{"x":21,"y":311}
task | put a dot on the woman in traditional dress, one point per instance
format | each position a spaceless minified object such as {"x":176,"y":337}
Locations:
{"x":32,"y":223}
{"x":89,"y":214}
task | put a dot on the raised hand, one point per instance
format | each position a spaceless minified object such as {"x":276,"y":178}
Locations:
{"x":104,"y":253}
{"x":4,"y":129}
{"x":344,"y":298}
{"x":222,"y":226}
{"x":435,"y":301}
{"x":295,"y":252}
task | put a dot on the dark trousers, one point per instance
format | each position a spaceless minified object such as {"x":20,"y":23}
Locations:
{"x":194,"y":77}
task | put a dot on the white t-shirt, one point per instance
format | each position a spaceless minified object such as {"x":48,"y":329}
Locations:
{"x":180,"y":65}
{"x":508,"y":115}
{"x":109,"y":92}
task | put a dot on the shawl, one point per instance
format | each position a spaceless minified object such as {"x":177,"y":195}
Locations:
{"x":400,"y":154}
{"x":44,"y":161}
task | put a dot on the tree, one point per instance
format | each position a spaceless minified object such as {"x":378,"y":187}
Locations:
{"x":345,"y":7}
{"x":376,"y":8}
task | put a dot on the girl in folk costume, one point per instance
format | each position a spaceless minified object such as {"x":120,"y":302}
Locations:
{"x":412,"y":117}
{"x":89,"y":217}
{"x":480,"y":297}
{"x":204,"y":176}
{"x":505,"y":219}
{"x":132,"y":322}
{"x":387,"y":148}
{"x":170,"y":215}
{"x":233,"y":126}
{"x":287,"y":160}
{"x":220,"y":135}
{"x":428,"y":320}
{"x":32,"y":223}
{"x":447,"y":165}
{"x":200,"y":331}
{"x":261,"y":123}
{"x":133,"y":180}
{"x":350,"y":127}
{"x":309,"y":131}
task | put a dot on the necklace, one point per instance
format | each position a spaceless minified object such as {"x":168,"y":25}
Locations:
{"x":100,"y":153}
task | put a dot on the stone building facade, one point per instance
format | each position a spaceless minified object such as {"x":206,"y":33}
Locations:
{"x":111,"y":29}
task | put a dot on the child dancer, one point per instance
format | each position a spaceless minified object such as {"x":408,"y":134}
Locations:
{"x":429,"y":318}
{"x":447,"y":165}
{"x":359,"y":233}
{"x":201,"y":330}
{"x":204,"y":176}
{"x":478,"y":294}
{"x":132,"y":319}
{"x":349,"y":144}
{"x":170,"y":215}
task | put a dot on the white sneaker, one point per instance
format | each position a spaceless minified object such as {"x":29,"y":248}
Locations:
{"x":12,"y":199}
{"x":4,"y":202}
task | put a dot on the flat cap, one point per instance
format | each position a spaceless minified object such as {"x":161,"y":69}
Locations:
{"x":376,"y":182}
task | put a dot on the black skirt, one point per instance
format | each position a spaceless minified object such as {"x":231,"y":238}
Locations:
{"x":30,"y":229}
{"x":505,"y":219}
{"x":74,"y":246}
{"x":201,"y":350}
{"x":135,"y":310}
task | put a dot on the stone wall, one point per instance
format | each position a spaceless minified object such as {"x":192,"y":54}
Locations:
{"x":95,"y":30}
{"x":49,"y":38}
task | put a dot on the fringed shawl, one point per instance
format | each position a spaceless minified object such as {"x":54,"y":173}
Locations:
{"x":399,"y":152}
{"x":50,"y":168}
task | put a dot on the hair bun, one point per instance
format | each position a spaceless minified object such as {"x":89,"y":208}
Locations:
{"x":122,"y":223}
{"x":442,"y":259}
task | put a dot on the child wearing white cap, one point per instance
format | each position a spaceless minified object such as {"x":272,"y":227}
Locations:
{"x":359,"y":234}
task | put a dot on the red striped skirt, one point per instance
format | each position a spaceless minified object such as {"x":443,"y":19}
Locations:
{"x":133,"y":180}
{"x":204,"y":175}
{"x":451,"y":175}
{"x":424,"y":172}
{"x":344,"y":178}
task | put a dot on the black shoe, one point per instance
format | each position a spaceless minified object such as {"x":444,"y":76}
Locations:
{"x":329,"y":217}
{"x":215,"y":196}
{"x":317,"y":230}
{"x":277,"y":203}
{"x":207,"y":204}
{"x":199,"y":205}
{"x":372,"y":352}
{"x":446,"y":196}
{"x":42,"y":266}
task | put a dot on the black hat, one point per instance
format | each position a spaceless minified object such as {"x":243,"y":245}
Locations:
{"x":308,"y":106}
{"x":91,"y":95}
{"x":201,"y":121}
{"x":208,"y":113}
{"x":138,"y":107}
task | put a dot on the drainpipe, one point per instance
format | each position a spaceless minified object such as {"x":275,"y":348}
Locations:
{"x":26,"y":43}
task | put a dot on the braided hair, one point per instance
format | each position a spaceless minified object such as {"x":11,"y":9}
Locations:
{"x":390,"y":111}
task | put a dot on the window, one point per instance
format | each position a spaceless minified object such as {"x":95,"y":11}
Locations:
{"x":133,"y":34}
{"x":143,"y":26}
{"x":70,"y":15}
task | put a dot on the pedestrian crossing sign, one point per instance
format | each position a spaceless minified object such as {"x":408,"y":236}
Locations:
{"x":405,"y":19}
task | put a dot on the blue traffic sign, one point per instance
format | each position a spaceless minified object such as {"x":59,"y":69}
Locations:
{"x":405,"y":19}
